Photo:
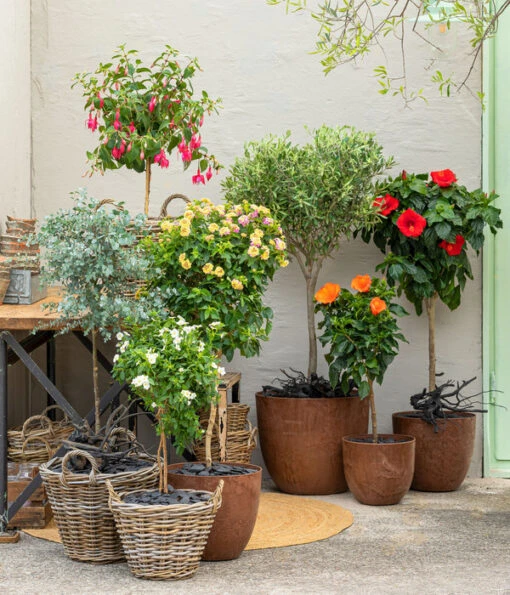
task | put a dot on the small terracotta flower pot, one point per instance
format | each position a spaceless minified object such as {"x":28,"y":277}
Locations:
{"x":442,"y":457}
{"x":236,"y":517}
{"x":379,"y":473}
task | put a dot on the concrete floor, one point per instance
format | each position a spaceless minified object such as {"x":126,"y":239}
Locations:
{"x":455,"y":542}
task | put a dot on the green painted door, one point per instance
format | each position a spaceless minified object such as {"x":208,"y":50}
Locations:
{"x":496,"y":319}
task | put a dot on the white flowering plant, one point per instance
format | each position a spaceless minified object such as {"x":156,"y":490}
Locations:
{"x":213,"y":265}
{"x":173,"y":367}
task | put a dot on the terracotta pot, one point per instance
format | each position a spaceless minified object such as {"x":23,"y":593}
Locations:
{"x":379,"y":473}
{"x":236,"y":517}
{"x":301,"y":440}
{"x":443,"y":457}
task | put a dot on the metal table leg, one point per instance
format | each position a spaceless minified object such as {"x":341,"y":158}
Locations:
{"x":51,"y":372}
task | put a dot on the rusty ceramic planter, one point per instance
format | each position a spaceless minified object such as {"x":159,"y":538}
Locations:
{"x":235,"y":518}
{"x":379,"y":473}
{"x":442,"y":457}
{"x":301,"y":440}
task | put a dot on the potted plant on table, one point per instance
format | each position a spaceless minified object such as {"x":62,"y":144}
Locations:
{"x":428,"y":225}
{"x":320,"y":192}
{"x":361,"y":332}
{"x":173,"y":367}
{"x":91,"y":255}
{"x":145,"y":113}
{"x":212,"y":266}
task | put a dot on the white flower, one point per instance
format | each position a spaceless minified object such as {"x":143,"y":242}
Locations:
{"x":181,"y":369}
{"x":115,"y":358}
{"x":152,"y":356}
{"x":221,"y":371}
{"x":200,"y":346}
{"x":154,"y":405}
{"x":180,"y":321}
{"x":124,"y":346}
{"x":119,"y":336}
{"x":188,"y":395}
{"x":163,"y":331}
{"x":141,"y":381}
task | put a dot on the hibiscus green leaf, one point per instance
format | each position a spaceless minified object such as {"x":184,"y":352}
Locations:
{"x":443,"y":230}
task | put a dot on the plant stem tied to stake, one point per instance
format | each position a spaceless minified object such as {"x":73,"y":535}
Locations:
{"x":430,"y":304}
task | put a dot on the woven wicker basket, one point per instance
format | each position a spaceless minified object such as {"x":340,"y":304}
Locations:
{"x":152,"y":229}
{"x":5,"y":281}
{"x":80,"y":506}
{"x":240,"y":445}
{"x":164,"y":542}
{"x":38,"y":438}
{"x":237,"y":416}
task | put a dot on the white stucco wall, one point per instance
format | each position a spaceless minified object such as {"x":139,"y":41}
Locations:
{"x":255,"y":58}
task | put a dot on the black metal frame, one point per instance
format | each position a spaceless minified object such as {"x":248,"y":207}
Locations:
{"x":12,"y":351}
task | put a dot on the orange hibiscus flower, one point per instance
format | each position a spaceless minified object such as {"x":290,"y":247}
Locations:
{"x":377,"y":305}
{"x":327,"y":293}
{"x":361,"y":283}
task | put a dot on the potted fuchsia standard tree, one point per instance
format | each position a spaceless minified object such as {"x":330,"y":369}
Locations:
{"x":427,"y":226}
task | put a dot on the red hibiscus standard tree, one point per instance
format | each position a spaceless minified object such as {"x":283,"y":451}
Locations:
{"x":427,"y":224}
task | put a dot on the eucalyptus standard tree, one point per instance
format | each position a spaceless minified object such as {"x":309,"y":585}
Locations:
{"x":320,"y":192}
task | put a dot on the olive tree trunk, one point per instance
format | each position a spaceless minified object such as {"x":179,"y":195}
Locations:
{"x":95,"y":383}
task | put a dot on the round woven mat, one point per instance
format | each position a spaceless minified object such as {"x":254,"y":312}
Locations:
{"x":282,"y":520}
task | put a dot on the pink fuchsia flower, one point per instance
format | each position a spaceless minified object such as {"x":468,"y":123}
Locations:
{"x":186,"y":155}
{"x":116,"y":153}
{"x":182,"y":146}
{"x":161,"y":159}
{"x":243,"y":220}
{"x":142,"y":155}
{"x":198,"y":178}
{"x":101,"y":100}
{"x":201,"y":123}
{"x":195,"y":142}
{"x":117,"y":125}
{"x":152,"y":103}
{"x":92,"y":122}
{"x":209,"y":173}
{"x":129,"y":147}
{"x":122,"y":147}
{"x":132,"y":127}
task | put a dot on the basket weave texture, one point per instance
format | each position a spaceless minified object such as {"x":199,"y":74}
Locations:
{"x":38,"y":438}
{"x":239,"y":447}
{"x":237,"y":416}
{"x":80,"y":506}
{"x":164,"y":542}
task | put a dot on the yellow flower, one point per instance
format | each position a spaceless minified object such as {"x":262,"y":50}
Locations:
{"x":186,"y":264}
{"x":264,"y":210}
{"x":213,"y":227}
{"x":209,"y":237}
{"x":189,"y":214}
{"x":219,"y":272}
{"x":265,"y":254}
{"x":236,"y":284}
{"x":255,"y":241}
{"x":224,"y":231}
{"x":208,"y":268}
{"x":283,"y":262}
{"x":166,"y":225}
{"x":253,"y":251}
{"x":206,"y":201}
{"x":185,"y":231}
{"x":258,"y":233}
{"x":182,"y":257}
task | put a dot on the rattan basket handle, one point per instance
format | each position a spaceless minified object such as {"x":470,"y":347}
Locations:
{"x":163,"y":213}
{"x":65,"y":471}
{"x":49,"y":450}
{"x":56,"y":408}
{"x":42,"y":420}
{"x":114,"y":497}
{"x":252,"y":441}
{"x":216,"y":497}
{"x":108,"y":201}
{"x":123,"y":433}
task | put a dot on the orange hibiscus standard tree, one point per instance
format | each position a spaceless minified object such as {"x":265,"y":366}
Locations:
{"x":426,"y":228}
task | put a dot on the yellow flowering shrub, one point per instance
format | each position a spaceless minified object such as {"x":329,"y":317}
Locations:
{"x":214,"y":264}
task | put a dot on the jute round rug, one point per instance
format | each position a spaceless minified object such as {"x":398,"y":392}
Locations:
{"x":282,"y":520}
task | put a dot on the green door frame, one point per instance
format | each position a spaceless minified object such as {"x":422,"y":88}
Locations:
{"x":496,"y":253}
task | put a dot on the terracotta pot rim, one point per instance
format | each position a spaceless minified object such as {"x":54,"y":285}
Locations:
{"x":257,"y":468}
{"x":449,"y":414}
{"x":406,"y":439}
{"x":304,"y":399}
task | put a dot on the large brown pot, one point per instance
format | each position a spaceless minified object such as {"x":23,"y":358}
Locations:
{"x":236,"y":518}
{"x":379,"y":473}
{"x":442,"y":457}
{"x":301,"y":440}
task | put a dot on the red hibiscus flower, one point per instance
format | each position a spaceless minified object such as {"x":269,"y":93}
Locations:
{"x":453,"y":249}
{"x":386,"y":204}
{"x":411,"y":223}
{"x":443,"y":178}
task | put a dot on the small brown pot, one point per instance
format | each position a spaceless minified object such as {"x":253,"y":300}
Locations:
{"x":301,"y":440}
{"x":379,"y":473}
{"x":235,"y":518}
{"x":442,"y":457}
